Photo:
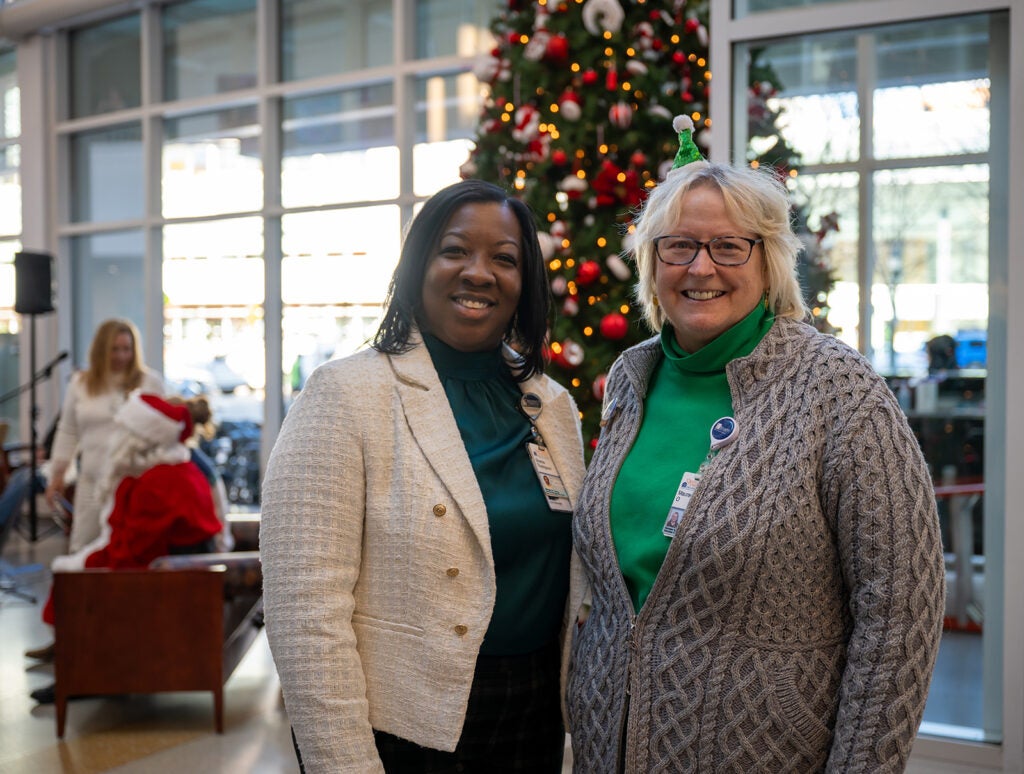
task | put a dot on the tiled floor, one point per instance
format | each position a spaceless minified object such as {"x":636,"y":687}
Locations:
{"x":174,"y":732}
{"x":132,"y":734}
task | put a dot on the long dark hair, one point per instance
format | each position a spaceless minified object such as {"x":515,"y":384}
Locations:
{"x":404,"y":301}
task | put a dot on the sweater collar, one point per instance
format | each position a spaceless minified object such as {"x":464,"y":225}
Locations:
{"x":467,"y":366}
{"x":737,"y":341}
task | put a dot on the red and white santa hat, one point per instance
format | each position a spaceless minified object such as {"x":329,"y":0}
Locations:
{"x":151,"y":417}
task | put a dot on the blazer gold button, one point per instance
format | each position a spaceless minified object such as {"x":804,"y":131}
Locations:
{"x":461,"y":630}
{"x":453,"y":572}
{"x":440,"y":510}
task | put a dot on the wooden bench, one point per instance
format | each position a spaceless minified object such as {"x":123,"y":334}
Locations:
{"x":182,"y":625}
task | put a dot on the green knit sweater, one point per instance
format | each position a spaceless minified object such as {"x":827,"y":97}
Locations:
{"x":688,"y":393}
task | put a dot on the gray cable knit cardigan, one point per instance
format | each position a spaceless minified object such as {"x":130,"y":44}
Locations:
{"x":794,"y":624}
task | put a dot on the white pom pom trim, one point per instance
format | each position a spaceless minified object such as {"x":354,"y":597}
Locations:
{"x":682,"y":123}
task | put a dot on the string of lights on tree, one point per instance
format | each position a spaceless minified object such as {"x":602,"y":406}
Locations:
{"x":578,"y":120}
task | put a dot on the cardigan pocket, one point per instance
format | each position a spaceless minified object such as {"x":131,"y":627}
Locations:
{"x":806,"y":695}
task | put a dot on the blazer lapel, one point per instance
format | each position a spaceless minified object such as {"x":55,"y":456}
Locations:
{"x":433,"y":428}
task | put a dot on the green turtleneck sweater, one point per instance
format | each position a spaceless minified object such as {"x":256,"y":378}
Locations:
{"x":687,"y":394}
{"x":530,"y":542}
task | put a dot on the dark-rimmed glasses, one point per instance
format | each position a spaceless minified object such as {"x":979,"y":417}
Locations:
{"x":723,"y":250}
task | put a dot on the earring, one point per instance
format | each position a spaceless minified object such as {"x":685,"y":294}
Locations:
{"x":656,"y":302}
{"x":767,"y":307}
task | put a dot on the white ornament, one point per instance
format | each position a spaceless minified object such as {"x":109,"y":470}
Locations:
{"x":618,"y":267}
{"x":636,"y":67}
{"x":621,"y":114}
{"x":569,"y":106}
{"x":572,"y":352}
{"x":548,"y":245}
{"x":660,"y":111}
{"x":527,"y":124}
{"x":572,"y":184}
{"x":628,"y":241}
{"x":537,"y":47}
{"x":559,"y":285}
{"x":601,"y":15}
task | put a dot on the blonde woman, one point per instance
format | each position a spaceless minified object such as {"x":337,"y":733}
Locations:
{"x":87,"y":419}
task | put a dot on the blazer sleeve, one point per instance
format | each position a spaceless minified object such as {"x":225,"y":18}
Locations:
{"x":891,"y":553}
{"x":313,"y":503}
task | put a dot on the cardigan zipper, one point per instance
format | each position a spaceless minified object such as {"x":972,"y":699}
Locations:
{"x":625,"y":750}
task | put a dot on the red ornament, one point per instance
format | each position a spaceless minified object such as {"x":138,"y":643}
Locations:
{"x":614,"y":326}
{"x":557,"y":51}
{"x":598,"y":387}
{"x":691,"y":26}
{"x":513,"y":38}
{"x":638,"y":159}
{"x":590,"y":77}
{"x":588,"y":273}
{"x":679,"y":57}
{"x":559,"y":157}
{"x":611,"y":79}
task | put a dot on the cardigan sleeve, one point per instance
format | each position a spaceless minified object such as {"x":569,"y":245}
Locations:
{"x":892,"y":562}
{"x":310,"y":546}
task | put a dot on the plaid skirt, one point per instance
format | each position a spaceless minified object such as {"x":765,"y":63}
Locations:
{"x":513,"y":722}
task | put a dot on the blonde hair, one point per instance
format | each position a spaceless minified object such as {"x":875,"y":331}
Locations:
{"x":755,"y":200}
{"x":97,"y":375}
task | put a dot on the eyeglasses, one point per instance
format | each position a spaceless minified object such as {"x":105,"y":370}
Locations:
{"x":723,"y":250}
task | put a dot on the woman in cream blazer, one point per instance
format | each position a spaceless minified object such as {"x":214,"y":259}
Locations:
{"x":379,"y":573}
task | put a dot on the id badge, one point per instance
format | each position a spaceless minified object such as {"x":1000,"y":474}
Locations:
{"x":679,"y":504}
{"x":547,"y":474}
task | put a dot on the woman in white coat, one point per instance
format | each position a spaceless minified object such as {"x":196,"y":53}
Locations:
{"x":87,"y":419}
{"x":416,"y":568}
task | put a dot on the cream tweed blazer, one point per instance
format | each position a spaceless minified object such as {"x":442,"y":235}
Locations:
{"x":370,"y":506}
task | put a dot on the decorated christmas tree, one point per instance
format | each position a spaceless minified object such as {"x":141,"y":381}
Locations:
{"x":582,"y":94}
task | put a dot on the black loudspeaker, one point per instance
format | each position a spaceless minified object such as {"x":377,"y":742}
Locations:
{"x":33,"y":288}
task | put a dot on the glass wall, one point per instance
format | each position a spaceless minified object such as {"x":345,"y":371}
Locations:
{"x":894,"y":126}
{"x":10,"y":231}
{"x":234,"y":207}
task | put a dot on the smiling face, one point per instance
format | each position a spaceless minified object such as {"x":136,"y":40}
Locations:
{"x":473,"y":281}
{"x":703,"y":300}
{"x":122,"y":353}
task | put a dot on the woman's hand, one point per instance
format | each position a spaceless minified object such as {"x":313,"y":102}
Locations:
{"x":55,"y":488}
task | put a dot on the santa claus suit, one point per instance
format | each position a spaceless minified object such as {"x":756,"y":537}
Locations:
{"x":166,"y":506}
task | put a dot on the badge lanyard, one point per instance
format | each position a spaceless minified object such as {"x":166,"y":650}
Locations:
{"x":723,"y":432}
{"x":547,"y":473}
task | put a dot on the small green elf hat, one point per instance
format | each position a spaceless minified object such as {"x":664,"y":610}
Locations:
{"x":687,"y":148}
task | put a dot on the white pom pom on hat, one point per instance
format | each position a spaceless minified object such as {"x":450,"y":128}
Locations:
{"x":682,"y":123}
{"x":154,"y":419}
